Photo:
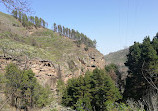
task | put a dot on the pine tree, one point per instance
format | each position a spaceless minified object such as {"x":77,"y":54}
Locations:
{"x":32,"y":19}
{"x":20,"y":16}
{"x":23,"y":89}
{"x":15,"y":13}
{"x":64,"y":31}
{"x":91,"y":92}
{"x":67,"y":32}
{"x":142,"y":62}
{"x":37,"y":23}
{"x":43,"y":23}
{"x":25,"y":22}
{"x":55,"y":27}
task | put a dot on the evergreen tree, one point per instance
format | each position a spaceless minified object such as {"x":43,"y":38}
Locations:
{"x":20,"y":16}
{"x":64,"y":31}
{"x":37,"y":23}
{"x":40,"y":22}
{"x":23,"y":89}
{"x":60,"y":29}
{"x":91,"y":92}
{"x":67,"y":32}
{"x":55,"y":27}
{"x":43,"y":23}
{"x":25,"y":22}
{"x":32,"y":19}
{"x":142,"y":62}
{"x":15,"y":13}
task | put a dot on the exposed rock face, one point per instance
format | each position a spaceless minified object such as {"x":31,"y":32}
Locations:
{"x":48,"y":72}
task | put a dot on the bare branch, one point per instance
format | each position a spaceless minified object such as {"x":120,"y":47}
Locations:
{"x":148,"y":79}
{"x":20,"y":5}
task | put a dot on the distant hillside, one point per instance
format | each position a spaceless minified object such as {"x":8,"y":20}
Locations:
{"x":118,"y":57}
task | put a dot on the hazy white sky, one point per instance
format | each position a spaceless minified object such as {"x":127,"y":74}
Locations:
{"x":115,"y":24}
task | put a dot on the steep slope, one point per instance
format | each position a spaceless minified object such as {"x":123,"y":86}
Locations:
{"x":48,"y":54}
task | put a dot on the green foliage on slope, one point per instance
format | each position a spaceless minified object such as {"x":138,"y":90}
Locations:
{"x":41,"y":43}
{"x":92,"y":92}
{"x":23,"y":90}
{"x":28,"y":21}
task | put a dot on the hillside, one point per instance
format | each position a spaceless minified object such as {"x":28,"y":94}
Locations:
{"x":118,"y":57}
{"x":50,"y":56}
{"x":47,"y":53}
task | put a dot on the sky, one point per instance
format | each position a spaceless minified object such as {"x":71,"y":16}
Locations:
{"x":114,"y":24}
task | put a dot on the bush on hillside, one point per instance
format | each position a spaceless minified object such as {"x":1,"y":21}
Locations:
{"x":23,"y":89}
{"x":91,"y":92}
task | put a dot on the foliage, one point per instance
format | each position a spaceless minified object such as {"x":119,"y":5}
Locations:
{"x":116,"y":75}
{"x":132,"y":106}
{"x":118,"y":58}
{"x":17,"y":49}
{"x":60,"y":89}
{"x":54,"y":109}
{"x":28,"y":21}
{"x":90,"y":92}
{"x":2,"y":82}
{"x":23,"y":89}
{"x":143,"y":68}
{"x":75,"y":35}
{"x":110,"y":67}
{"x":113,"y":71}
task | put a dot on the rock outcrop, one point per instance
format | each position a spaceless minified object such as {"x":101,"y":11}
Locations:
{"x":47,"y":72}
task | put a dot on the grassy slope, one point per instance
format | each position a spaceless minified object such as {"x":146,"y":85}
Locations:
{"x":118,"y":57}
{"x":42,"y":43}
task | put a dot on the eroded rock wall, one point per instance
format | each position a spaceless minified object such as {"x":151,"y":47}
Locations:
{"x":47,"y":72}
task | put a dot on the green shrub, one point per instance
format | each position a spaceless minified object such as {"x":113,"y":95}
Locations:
{"x":93,"y":90}
{"x":24,"y":89}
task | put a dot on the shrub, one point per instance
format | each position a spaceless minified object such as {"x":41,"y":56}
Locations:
{"x":23,"y":88}
{"x":91,"y":92}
